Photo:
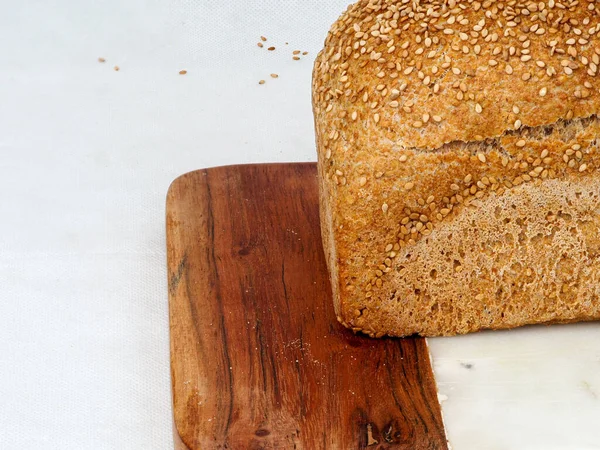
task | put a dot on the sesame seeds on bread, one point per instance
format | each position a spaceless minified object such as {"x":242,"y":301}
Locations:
{"x":458,"y":164}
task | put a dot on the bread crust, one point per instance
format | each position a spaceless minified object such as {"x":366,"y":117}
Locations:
{"x":429,"y":117}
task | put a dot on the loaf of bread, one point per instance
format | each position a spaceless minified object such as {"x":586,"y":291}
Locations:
{"x":458,"y":155}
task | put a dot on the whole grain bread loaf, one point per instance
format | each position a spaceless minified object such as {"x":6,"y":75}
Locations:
{"x":458,"y":149}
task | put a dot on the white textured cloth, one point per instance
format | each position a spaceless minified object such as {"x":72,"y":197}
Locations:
{"x":86,"y":157}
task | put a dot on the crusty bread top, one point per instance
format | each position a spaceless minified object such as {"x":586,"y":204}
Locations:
{"x":420,"y":74}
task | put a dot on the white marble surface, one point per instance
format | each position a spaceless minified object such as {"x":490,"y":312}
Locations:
{"x":533,"y":388}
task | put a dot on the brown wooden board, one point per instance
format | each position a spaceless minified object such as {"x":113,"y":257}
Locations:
{"x":258,"y":359}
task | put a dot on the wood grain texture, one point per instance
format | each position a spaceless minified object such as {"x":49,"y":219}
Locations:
{"x":258,"y":360}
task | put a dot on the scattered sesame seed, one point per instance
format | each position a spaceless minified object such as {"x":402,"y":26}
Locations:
{"x":260,"y":44}
{"x":582,"y":167}
{"x":520,"y":143}
{"x":481,"y":157}
{"x":274,"y":75}
{"x":101,"y":60}
{"x":261,"y":82}
{"x":182,"y":72}
{"x":305,"y":53}
{"x":262,"y":38}
{"x":116,"y":68}
{"x":296,"y":52}
{"x":271,"y":49}
{"x":296,"y":58}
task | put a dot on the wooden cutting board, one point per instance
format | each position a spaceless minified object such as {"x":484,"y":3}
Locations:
{"x":258,"y":359}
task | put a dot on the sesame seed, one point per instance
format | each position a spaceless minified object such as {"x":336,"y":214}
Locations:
{"x":296,"y":52}
{"x":260,"y":44}
{"x":296,"y":58}
{"x":362,"y":182}
{"x":274,"y":75}
{"x":478,"y":108}
{"x":544,"y":153}
{"x":518,"y":124}
{"x":516,"y":109}
{"x":262,"y":38}
{"x":182,"y":72}
{"x":271,"y":49}
{"x":543,"y":92}
{"x":417,"y":124}
{"x":408,"y":186}
{"x":376,"y":118}
{"x":582,"y":167}
{"x":436,"y":118}
{"x":520,"y":143}
{"x":403,"y":158}
{"x":116,"y":68}
{"x":261,"y":82}
{"x":305,"y":53}
{"x":481,"y":157}
{"x":101,"y":60}
{"x":508,"y":69}
{"x":354,"y":115}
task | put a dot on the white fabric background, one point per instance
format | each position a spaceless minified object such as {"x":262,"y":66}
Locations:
{"x":86,"y":157}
